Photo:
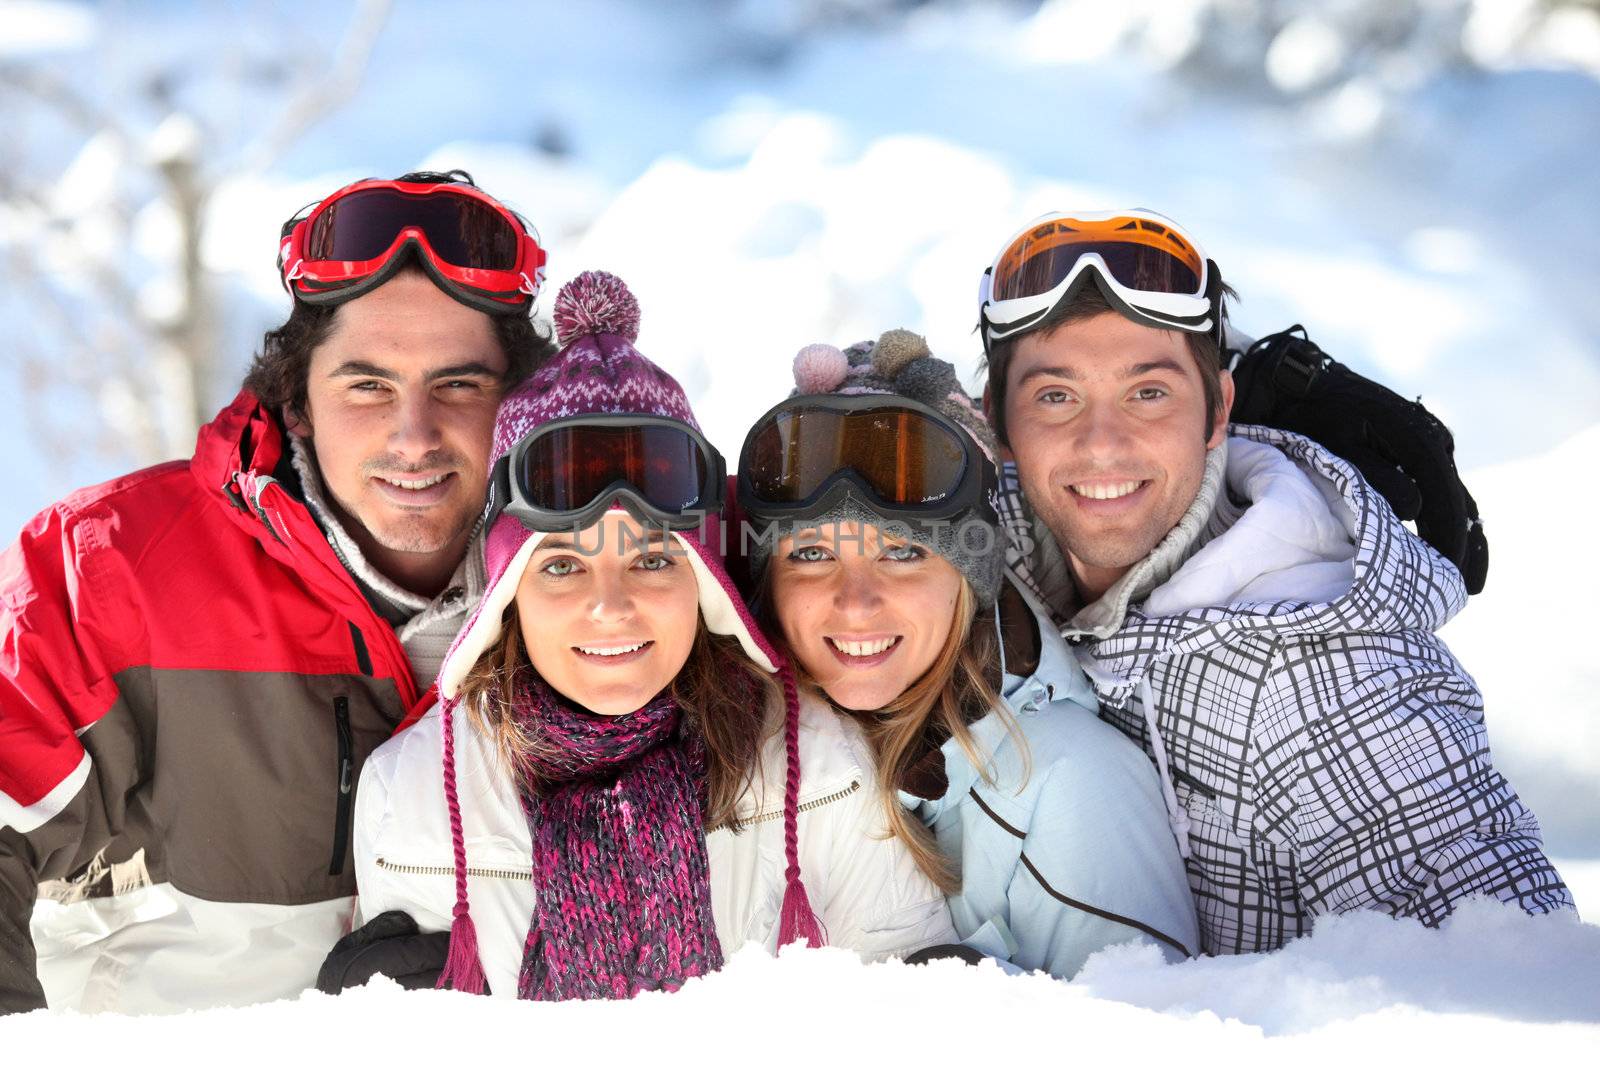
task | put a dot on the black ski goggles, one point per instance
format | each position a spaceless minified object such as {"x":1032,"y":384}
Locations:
{"x":569,"y":472}
{"x":901,"y":458}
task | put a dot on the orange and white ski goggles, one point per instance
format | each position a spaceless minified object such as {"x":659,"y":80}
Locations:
{"x":1144,"y":264}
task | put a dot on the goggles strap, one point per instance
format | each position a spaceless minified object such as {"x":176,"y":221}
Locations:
{"x":1090,"y":271}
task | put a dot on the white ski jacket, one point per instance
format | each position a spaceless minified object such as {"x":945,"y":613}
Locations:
{"x":1320,"y":748}
{"x":864,"y":886}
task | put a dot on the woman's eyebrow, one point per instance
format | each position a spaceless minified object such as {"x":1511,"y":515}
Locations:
{"x":558,"y":543}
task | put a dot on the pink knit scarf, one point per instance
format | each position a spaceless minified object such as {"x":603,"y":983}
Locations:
{"x":622,"y":893}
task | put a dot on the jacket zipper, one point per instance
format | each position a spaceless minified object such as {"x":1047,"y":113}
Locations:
{"x":341,"y":818}
{"x":475,"y":872}
{"x":807,"y":806}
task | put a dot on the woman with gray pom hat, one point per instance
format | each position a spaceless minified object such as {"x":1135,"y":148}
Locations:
{"x":875,"y":550}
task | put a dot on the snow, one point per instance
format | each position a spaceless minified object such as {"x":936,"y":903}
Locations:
{"x":770,"y":173}
{"x":1305,"y":53}
{"x":34,"y":26}
{"x":1540,"y":677}
{"x":1492,"y":981}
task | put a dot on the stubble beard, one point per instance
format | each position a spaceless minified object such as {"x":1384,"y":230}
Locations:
{"x":1115,"y":549}
{"x":418,"y":533}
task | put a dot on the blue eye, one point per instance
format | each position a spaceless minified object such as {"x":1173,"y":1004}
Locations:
{"x":810,"y":554}
{"x":905,"y":553}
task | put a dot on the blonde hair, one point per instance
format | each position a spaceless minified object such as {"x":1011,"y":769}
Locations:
{"x":721,"y":692}
{"x":960,"y":687}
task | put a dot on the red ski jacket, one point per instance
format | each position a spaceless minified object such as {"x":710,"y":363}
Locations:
{"x":189,"y":683}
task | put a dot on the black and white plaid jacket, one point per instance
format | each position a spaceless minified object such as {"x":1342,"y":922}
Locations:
{"x":1327,"y":753}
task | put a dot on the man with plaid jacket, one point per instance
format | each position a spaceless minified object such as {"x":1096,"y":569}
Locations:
{"x":1247,"y":606}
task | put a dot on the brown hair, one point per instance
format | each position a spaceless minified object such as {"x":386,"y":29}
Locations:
{"x":723,"y":695}
{"x":1087,"y":303}
{"x":280,"y":373}
{"x":960,"y":687}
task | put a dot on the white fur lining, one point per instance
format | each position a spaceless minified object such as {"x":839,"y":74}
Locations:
{"x":484,"y":626}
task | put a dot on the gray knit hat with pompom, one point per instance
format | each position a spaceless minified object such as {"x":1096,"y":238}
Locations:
{"x":899,"y":363}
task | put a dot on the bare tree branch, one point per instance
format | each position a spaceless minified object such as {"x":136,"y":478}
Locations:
{"x":324,"y":96}
{"x":149,"y":370}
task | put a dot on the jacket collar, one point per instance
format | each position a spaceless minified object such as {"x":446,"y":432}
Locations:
{"x":1057,"y":676}
{"x":237,"y":456}
{"x":243,"y":438}
{"x":235,"y":459}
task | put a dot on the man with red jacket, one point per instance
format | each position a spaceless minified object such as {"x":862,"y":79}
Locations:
{"x":199,"y":656}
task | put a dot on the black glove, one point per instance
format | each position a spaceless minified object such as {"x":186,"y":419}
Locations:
{"x":391,"y":945}
{"x":1286,"y":382}
{"x":965,"y":953}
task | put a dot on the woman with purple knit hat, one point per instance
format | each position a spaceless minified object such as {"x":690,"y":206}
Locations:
{"x":620,"y":785}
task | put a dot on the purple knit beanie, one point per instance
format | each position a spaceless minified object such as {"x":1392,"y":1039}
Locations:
{"x":598,"y":371}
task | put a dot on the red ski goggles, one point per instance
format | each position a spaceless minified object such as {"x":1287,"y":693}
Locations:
{"x":471,"y":245}
{"x":569,"y":472}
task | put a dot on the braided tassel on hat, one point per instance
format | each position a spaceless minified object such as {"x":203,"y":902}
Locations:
{"x":797,"y":921}
{"x":463,"y":968}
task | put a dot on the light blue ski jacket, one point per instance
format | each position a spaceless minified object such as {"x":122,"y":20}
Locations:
{"x":1066,"y":849}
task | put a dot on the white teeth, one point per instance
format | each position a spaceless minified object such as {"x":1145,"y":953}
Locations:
{"x":1106,"y":492}
{"x":623,"y":650}
{"x":863,"y":648}
{"x":422,"y":484}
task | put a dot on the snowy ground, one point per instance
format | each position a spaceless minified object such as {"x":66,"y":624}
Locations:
{"x":858,"y":180}
{"x":1493,"y":982}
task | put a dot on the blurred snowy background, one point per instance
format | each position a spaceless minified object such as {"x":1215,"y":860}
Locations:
{"x":1414,"y":180}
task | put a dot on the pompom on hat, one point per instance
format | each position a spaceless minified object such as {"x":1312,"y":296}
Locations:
{"x":599,"y":371}
{"x":820,"y":369}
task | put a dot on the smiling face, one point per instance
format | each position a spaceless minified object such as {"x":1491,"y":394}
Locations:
{"x":866,"y":617}
{"x":609,"y":616}
{"x":1107,"y":424}
{"x":400,"y":407}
